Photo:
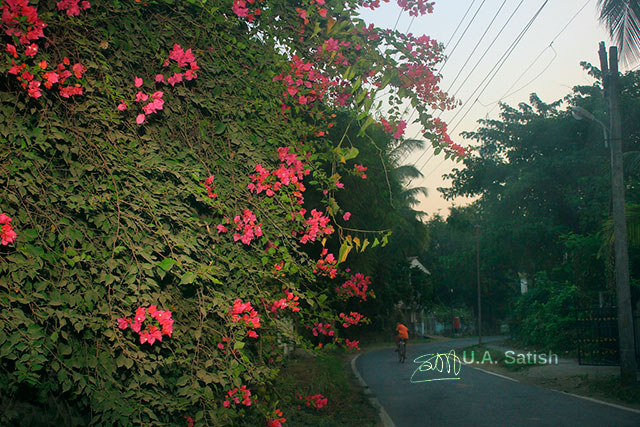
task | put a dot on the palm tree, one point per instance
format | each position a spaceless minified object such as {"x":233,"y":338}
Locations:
{"x":622,"y":19}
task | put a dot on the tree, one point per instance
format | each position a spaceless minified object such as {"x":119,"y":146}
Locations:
{"x":622,"y":19}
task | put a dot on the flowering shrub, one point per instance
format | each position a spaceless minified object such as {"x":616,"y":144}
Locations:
{"x":318,"y":401}
{"x":8,"y":234}
{"x":356,"y":286}
{"x":352,"y":319}
{"x":247,"y":314}
{"x":278,"y":419}
{"x":150,"y":328}
{"x":291,"y":301}
{"x":246,"y":227}
{"x":112,"y":216}
{"x":234,"y":395}
{"x":327,"y":266}
{"x":352,"y":345}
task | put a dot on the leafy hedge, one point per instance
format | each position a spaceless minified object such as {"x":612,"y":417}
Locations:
{"x":121,"y":208}
{"x":545,"y":316}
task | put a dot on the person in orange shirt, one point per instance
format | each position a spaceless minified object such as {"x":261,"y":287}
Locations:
{"x":403,"y":333}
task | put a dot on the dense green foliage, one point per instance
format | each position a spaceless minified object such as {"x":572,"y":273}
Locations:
{"x":112,"y":214}
{"x":542,"y":185}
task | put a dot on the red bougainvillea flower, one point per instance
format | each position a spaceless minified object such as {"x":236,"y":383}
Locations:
{"x":73,"y":7}
{"x":346,"y":216}
{"x":234,"y":395}
{"x":158,"y":324}
{"x":8,"y":235}
{"x":31,"y":50}
{"x":12,"y":50}
{"x":278,"y":419}
{"x":353,"y":345}
{"x":318,"y":401}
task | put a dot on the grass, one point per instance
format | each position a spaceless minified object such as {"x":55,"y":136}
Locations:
{"x":328,"y":374}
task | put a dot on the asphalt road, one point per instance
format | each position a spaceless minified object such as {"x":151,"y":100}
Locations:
{"x":414,"y":395}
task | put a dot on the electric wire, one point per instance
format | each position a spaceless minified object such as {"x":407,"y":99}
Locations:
{"x":496,"y":68}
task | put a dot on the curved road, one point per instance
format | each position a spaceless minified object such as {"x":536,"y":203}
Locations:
{"x":476,"y":398}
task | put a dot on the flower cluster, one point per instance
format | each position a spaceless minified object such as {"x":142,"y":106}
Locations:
{"x":396,"y":131}
{"x":155,"y":101}
{"x":352,"y":319}
{"x":210,"y":186}
{"x":73,"y":7}
{"x":326,"y":266}
{"x":158,"y":323}
{"x":356,"y":286}
{"x":234,"y":396}
{"x":277,"y":421}
{"x":440,"y":129}
{"x":242,"y":311}
{"x":318,"y":401}
{"x":316,"y":226}
{"x":184,"y":59}
{"x":290,"y":172}
{"x":8,"y":234}
{"x":290,"y":301}
{"x":242,"y":9}
{"x":360,"y":171}
{"x":320,"y":328}
{"x":155,"y":104}
{"x":352,"y":344}
{"x":22,"y":22}
{"x":304,"y":84}
{"x":416,"y":7}
{"x":246,"y":227}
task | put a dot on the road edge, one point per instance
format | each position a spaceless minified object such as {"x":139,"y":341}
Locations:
{"x":382,"y":413}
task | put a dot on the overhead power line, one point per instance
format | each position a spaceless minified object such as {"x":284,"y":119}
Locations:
{"x":496,"y":68}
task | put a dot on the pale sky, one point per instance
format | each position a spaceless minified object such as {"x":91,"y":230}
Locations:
{"x":533,"y":66}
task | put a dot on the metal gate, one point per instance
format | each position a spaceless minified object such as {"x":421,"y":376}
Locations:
{"x":597,"y":333}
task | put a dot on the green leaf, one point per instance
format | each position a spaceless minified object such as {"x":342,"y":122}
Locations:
{"x":187,"y":278}
{"x":166,"y":264}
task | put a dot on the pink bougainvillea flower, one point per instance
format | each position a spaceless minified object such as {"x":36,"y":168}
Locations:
{"x":221,"y":228}
{"x":31,"y":50}
{"x":78,"y":70}
{"x":8,"y":235}
{"x":339,"y":184}
{"x":141,"y":96}
{"x":123,"y":323}
{"x":346,"y":216}
{"x":140,"y":119}
{"x":12,"y":50}
{"x":136,"y":326}
{"x":145,"y":337}
{"x":159,"y":78}
{"x":252,"y":334}
{"x":137,"y":81}
{"x":122,"y":106}
{"x":34,"y":89}
{"x":323,"y":12}
{"x":68,"y":91}
{"x":221,"y":346}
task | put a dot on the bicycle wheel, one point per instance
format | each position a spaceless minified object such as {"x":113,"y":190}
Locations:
{"x":401,"y":351}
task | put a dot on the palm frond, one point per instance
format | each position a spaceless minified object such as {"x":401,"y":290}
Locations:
{"x":404,"y":172}
{"x":622,"y":19}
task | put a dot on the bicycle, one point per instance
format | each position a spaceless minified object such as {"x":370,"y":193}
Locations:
{"x":402,"y":350}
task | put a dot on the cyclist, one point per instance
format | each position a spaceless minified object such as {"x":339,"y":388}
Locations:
{"x":403,"y":334}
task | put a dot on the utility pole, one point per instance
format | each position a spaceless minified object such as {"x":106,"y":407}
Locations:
{"x":478,"y":277}
{"x":625,"y":317}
